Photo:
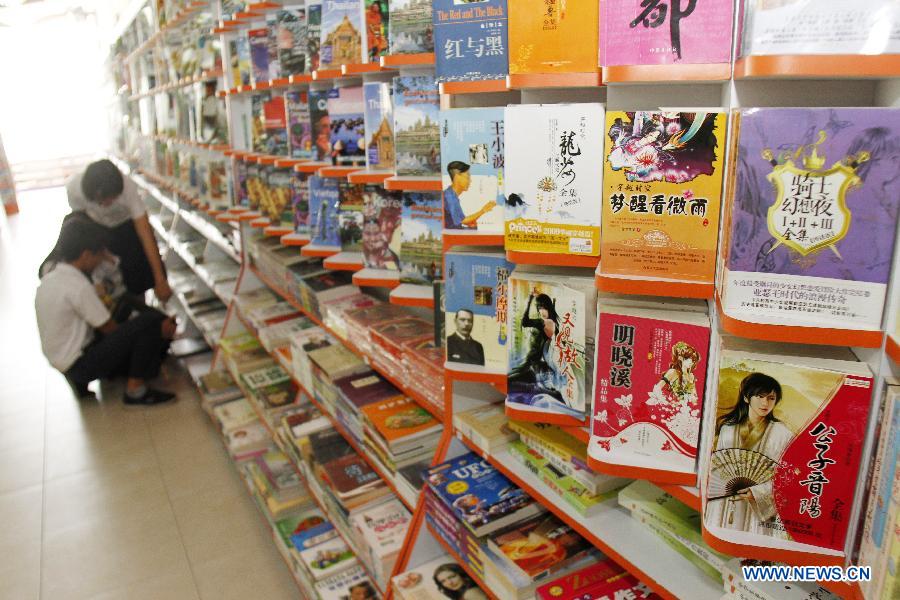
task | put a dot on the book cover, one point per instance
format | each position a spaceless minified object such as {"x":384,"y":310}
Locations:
{"x":381,"y":236}
{"x":421,"y":245}
{"x":470,"y":39}
{"x":376,"y":18}
{"x":258,"y":40}
{"x":362,"y":389}
{"x":328,"y":558}
{"x":472,"y":161}
{"x":437,"y":579}
{"x":475,"y":309}
{"x":321,"y":124}
{"x":411,"y":28}
{"x":277,"y":395}
{"x":811,"y":230}
{"x":741,"y":589}
{"x":290,"y":38}
{"x":311,"y":529}
{"x":350,"y":215}
{"x":274,"y":125}
{"x":417,"y":139}
{"x":350,"y":475}
{"x":324,"y":201}
{"x":382,"y":528}
{"x":277,"y":197}
{"x":300,"y":202}
{"x":242,"y":65}
{"x":786,"y":440}
{"x":553,"y":37}
{"x":348,"y":136}
{"x":538,"y":547}
{"x":633,"y":32}
{"x":662,"y":191}
{"x":551,"y":324}
{"x":342,"y":34}
{"x":351,"y":583}
{"x":299,"y":125}
{"x":313,"y":33}
{"x":399,"y":419}
{"x":379,"y":125}
{"x":486,"y":426}
{"x":650,"y":385}
{"x":552,"y":182}
{"x":579,"y":584}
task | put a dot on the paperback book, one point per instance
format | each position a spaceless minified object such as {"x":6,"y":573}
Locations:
{"x":553,"y":37}
{"x":436,"y":580}
{"x":475,"y":309}
{"x":289,"y":28}
{"x":350,"y":215}
{"x":242,"y":66}
{"x":276,"y":201}
{"x":328,"y":558}
{"x":552,"y":182}
{"x":470,"y":39}
{"x":662,"y":190}
{"x":379,"y":125}
{"x":580,"y":584}
{"x":324,"y":201}
{"x":376,"y":18}
{"x":811,"y":231}
{"x":421,"y":243}
{"x":348,"y":136}
{"x":313,"y":33}
{"x":320,"y":125}
{"x":299,"y":125}
{"x":300,"y":202}
{"x":472,"y":162}
{"x":417,"y":142}
{"x":258,"y":40}
{"x":342,"y":34}
{"x":411,"y":29}
{"x":381,"y":236}
{"x":274,"y":125}
{"x":350,"y":583}
{"x":486,"y":426}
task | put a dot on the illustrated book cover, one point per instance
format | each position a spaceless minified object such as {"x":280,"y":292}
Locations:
{"x":299,"y":125}
{"x":381,"y":236}
{"x":324,"y":201}
{"x":342,"y":34}
{"x":553,"y":37}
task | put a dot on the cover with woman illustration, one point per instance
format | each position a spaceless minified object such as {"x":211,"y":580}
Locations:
{"x":786,"y":434}
{"x":651,"y":377}
{"x":438,"y":579}
{"x":551,"y":322}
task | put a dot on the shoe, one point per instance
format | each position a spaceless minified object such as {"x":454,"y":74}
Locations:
{"x":150,"y":397}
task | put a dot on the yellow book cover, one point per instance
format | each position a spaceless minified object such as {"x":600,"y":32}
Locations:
{"x":662,"y":184}
{"x":553,"y":36}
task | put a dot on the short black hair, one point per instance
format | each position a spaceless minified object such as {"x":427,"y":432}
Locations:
{"x":468,"y":310}
{"x":101,"y":181}
{"x":78,"y":235}
{"x":456,"y":167}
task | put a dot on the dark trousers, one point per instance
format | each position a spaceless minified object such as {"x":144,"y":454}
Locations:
{"x":125,"y":243}
{"x":135,"y":349}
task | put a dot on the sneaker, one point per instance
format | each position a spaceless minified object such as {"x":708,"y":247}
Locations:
{"x":151,"y":396}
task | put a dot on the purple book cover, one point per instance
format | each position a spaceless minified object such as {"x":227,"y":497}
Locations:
{"x":642,"y":32}
{"x":816,"y":195}
{"x":363,"y":389}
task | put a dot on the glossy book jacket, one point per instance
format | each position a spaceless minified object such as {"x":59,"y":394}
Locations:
{"x":470,"y":40}
{"x":553,"y":36}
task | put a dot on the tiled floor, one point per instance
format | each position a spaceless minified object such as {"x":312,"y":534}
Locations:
{"x":99,"y":500}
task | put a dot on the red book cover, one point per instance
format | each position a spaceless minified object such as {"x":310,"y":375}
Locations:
{"x":577,"y":584}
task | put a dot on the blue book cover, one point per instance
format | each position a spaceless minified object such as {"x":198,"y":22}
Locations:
{"x":417,"y":136}
{"x":241,"y":60}
{"x":470,"y":39}
{"x":259,"y":54}
{"x":379,"y":125}
{"x":421,"y":244}
{"x":320,"y":123}
{"x":348,"y":136}
{"x":472,"y":161}
{"x":411,"y":28}
{"x":477,"y":493}
{"x":312,"y":532}
{"x":342,"y":33}
{"x":475,"y":308}
{"x":300,"y":202}
{"x":324,"y":198}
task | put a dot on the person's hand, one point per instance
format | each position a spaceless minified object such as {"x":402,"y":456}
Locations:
{"x":744,"y":494}
{"x":162,"y":291}
{"x":168,"y":328}
{"x":488,"y":207}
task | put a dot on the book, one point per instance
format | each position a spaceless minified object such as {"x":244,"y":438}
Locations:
{"x":741,"y":589}
{"x":417,"y":143}
{"x":311,"y":529}
{"x":274,"y":125}
{"x":381,"y":531}
{"x":232,"y":415}
{"x":487,"y":427}
{"x":551,"y":322}
{"x":410,"y":27}
{"x":328,"y":558}
{"x":350,"y":215}
{"x":472,"y":163}
{"x":324,"y":200}
{"x":475,"y":308}
{"x":342,"y":34}
{"x":376,"y":19}
{"x":276,"y":200}
{"x":364,"y":388}
{"x":242,"y":65}
{"x":258,"y":40}
{"x":399,"y":421}
{"x":662,"y":191}
{"x":478,"y":495}
{"x":633,"y":33}
{"x":553,"y":187}
{"x":421,"y":246}
{"x":435,"y":580}
{"x":350,"y":583}
{"x":217,"y":387}
{"x":378,"y":118}
{"x":289,"y":29}
{"x":353,"y":482}
{"x":809,"y":236}
{"x":471,"y":39}
{"x":299,"y":126}
{"x":579,"y":584}
{"x":557,"y":37}
{"x":381,"y":236}
{"x":650,"y":384}
{"x":348,"y":136}
{"x":321,"y":124}
{"x":313,"y":33}
{"x":248,"y":440}
{"x":809,"y":405}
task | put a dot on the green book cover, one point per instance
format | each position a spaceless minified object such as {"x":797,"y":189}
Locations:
{"x":678,"y":544}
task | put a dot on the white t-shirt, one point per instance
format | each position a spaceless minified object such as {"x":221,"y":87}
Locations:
{"x":68,"y":310}
{"x":126,"y":207}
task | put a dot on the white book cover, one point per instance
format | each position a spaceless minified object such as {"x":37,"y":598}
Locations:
{"x":436,"y":580}
{"x":232,"y":415}
{"x":328,"y":558}
{"x":383,"y":527}
{"x":351,"y":583}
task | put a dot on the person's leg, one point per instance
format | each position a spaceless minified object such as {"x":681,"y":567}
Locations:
{"x":136,"y":272}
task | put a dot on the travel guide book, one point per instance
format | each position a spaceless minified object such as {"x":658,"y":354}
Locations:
{"x":553,"y":37}
{"x":551,"y":322}
{"x":321,"y":125}
{"x":324,"y":200}
{"x":811,"y":230}
{"x":300,"y":143}
{"x":350,"y":215}
{"x":300,"y":202}
{"x":421,"y":243}
{"x":376,"y":22}
{"x":289,"y":29}
{"x":662,"y":190}
{"x":258,"y":40}
{"x":553,"y":183}
{"x":633,"y":32}
{"x":475,"y":309}
{"x":274,"y":125}
{"x":313,"y":33}
{"x":417,"y":142}
{"x":381,"y":228}
{"x":348,"y":137}
{"x":649,"y":390}
{"x":342,"y":34}
{"x":379,"y":125}
{"x":470,"y":39}
{"x":472,"y":163}
{"x":276,"y":201}
{"x":410,"y":26}
{"x":785,"y":438}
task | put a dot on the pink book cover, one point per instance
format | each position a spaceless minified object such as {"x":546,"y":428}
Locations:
{"x":651,"y":375}
{"x":656,"y":32}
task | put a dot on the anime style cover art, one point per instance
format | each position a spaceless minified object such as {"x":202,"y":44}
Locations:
{"x":472,"y":162}
{"x":787,"y":441}
{"x":662,"y":185}
{"x":651,"y":375}
{"x":381,"y":228}
{"x":811,"y":231}
{"x":470,"y":39}
{"x":324,"y":200}
{"x":551,"y":346}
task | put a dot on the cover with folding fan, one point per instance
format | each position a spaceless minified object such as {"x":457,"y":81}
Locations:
{"x":736,"y":469}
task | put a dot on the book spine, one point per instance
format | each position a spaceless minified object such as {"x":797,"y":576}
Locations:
{"x":539,"y":471}
{"x":680,"y":545}
{"x":688,"y":537}
{"x":564,"y":461}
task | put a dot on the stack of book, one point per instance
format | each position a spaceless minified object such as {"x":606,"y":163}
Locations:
{"x":423,"y":371}
{"x":277,"y":483}
{"x":241,"y":429}
{"x":333,"y":312}
{"x":243,"y":353}
{"x":295,"y":428}
{"x":399,"y":432}
{"x":435,"y":580}
{"x":218,"y":387}
{"x":390,"y":337}
{"x":361,"y":320}
{"x":487,"y":426}
{"x":380,"y":531}
{"x":329,"y":364}
{"x":355,"y":392}
{"x":301,"y":344}
{"x":271,"y":386}
{"x":603,"y":580}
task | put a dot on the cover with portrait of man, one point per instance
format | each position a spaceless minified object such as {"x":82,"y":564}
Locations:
{"x":475,"y":308}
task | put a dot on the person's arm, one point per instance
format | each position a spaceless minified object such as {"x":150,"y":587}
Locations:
{"x":151,"y":251}
{"x":472,"y":219}
{"x":108,"y":327}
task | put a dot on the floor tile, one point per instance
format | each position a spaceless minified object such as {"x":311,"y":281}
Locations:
{"x":175,"y":585}
{"x":20,"y":543}
{"x":242,"y":576}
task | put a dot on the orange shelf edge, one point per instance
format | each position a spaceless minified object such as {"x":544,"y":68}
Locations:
{"x":276,"y":231}
{"x":457,"y":373}
{"x":554,"y":260}
{"x":893,"y":349}
{"x":666,"y":73}
{"x":299,"y":79}
{"x":321,"y":74}
{"x":379,"y":283}
{"x":451,"y":239}
{"x":649,"y":287}
{"x":524,"y":81}
{"x":822,"y":65}
{"x":654,"y":476}
{"x":360,"y":68}
{"x":536,"y":417}
{"x":318,"y":252}
{"x":404,"y":60}
{"x":337,"y":172}
{"x":363,"y":176}
{"x":343,"y":266}
{"x":417,"y":302}
{"x":408,"y":184}
{"x":295,"y":242}
{"x":484,"y":86}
